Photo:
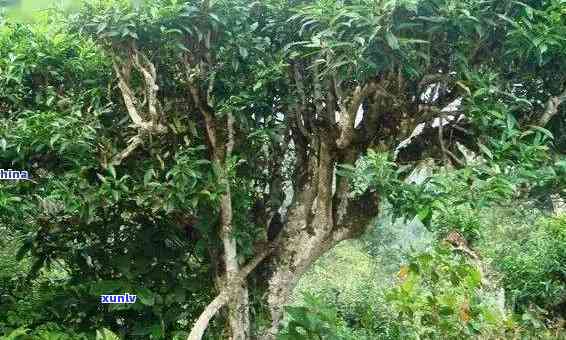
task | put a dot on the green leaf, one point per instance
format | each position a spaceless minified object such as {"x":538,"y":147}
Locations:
{"x":214,"y":16}
{"x":101,"y":178}
{"x":475,"y":277}
{"x":112,"y":171}
{"x":54,"y":139}
{"x":485,"y":150}
{"x":101,"y":27}
{"x":18,"y":334}
{"x":146,"y":296}
{"x":413,"y":41}
{"x":149,"y":174}
{"x":543,"y":131}
{"x":510,"y":21}
{"x":433,"y":19}
{"x":392,"y":40}
{"x":425,"y":215}
{"x":106,"y":334}
{"x":106,"y":287}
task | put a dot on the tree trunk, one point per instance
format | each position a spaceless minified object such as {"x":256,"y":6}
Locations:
{"x":238,"y":315}
{"x":221,"y":146}
{"x":317,"y":220}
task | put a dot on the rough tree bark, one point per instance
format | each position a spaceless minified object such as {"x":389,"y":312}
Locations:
{"x":316,"y":222}
{"x":319,"y":216}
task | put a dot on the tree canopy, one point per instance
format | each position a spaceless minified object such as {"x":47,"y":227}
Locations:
{"x":204,"y":154}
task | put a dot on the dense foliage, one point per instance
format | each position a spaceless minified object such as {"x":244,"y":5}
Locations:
{"x":412,"y":288}
{"x":204,"y":154}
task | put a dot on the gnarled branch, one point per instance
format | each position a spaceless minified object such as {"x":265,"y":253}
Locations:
{"x":227,"y":293}
{"x":551,"y":108}
{"x":135,"y":142}
{"x":348,"y":116}
{"x":152,"y":125}
{"x":123,"y":74}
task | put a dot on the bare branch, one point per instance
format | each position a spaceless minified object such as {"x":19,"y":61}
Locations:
{"x":230,"y":127}
{"x":299,"y":84}
{"x":236,"y":297}
{"x":331,"y":101}
{"x":127,"y":93}
{"x":441,"y":137}
{"x":202,"y":322}
{"x":227,"y":292}
{"x":130,"y":101}
{"x":318,"y":97}
{"x":150,"y":77}
{"x":551,"y":108}
{"x":445,"y":151}
{"x":204,"y":109}
{"x":135,"y":142}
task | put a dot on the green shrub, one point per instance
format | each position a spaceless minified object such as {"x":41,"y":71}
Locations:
{"x":345,"y":279}
{"x":315,"y":320}
{"x":462,"y":219}
{"x":439,"y":296}
{"x":534,"y":266}
{"x":48,"y":71}
{"x":436,"y":294}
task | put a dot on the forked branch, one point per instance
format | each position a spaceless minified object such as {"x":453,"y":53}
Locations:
{"x":230,"y":289}
{"x":152,"y":124}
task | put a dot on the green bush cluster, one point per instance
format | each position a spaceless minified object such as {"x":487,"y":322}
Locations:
{"x":435,"y":295}
{"x":533,"y":267}
{"x":408,"y":290}
{"x":55,"y":89}
{"x":43,"y":69}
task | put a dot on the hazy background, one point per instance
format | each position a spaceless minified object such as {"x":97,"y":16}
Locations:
{"x":27,"y":10}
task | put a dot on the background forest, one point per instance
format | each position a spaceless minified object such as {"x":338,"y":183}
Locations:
{"x":284,"y":169}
